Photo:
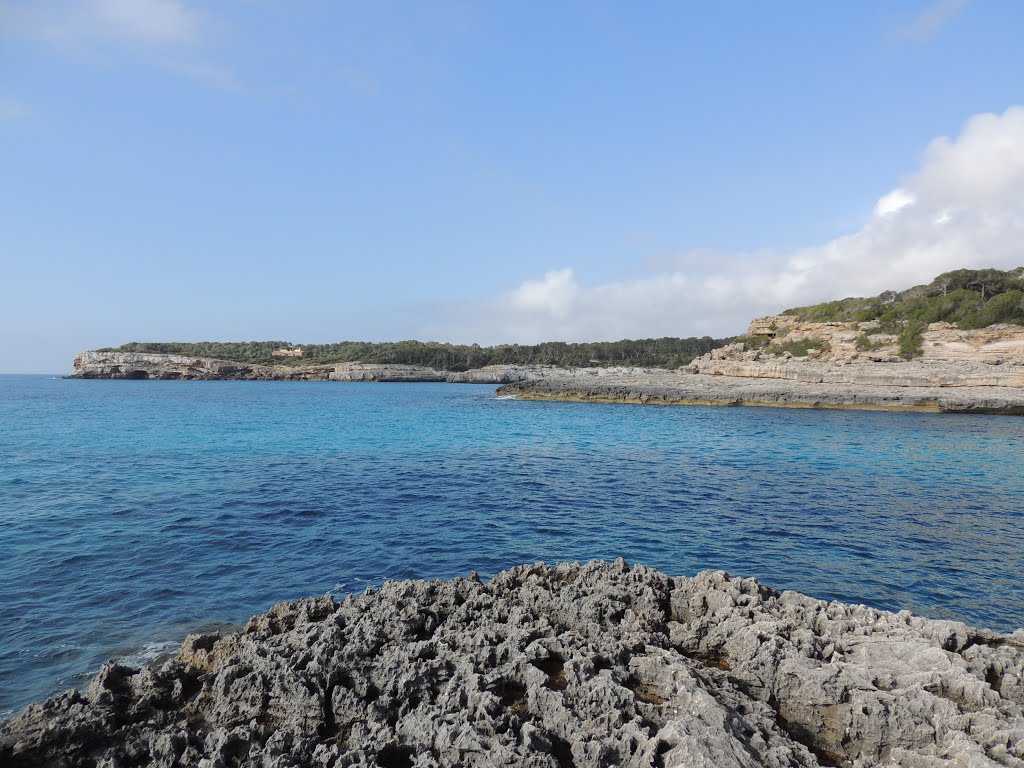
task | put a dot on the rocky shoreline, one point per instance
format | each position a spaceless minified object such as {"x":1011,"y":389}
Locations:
{"x":707,"y":389}
{"x":848,"y":366}
{"x":553,"y":666}
{"x":782,"y":362}
{"x":725,"y":377}
{"x":159,"y":367}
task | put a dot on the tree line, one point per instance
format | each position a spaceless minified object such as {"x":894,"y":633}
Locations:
{"x":970,"y":298}
{"x":666,"y":352}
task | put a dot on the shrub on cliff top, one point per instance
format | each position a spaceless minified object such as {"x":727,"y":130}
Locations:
{"x":910,"y":341}
{"x":970,"y":298}
{"x":799,"y":348}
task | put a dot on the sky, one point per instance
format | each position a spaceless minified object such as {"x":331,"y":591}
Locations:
{"x":180,"y":170}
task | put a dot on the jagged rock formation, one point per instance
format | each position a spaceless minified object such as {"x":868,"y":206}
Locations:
{"x":144,"y":365}
{"x":549,"y":667}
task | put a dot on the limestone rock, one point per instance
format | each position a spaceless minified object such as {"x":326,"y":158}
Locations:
{"x":875,"y":370}
{"x":944,"y":346}
{"x":145,"y":365}
{"x":787,"y":384}
{"x":553,"y":666}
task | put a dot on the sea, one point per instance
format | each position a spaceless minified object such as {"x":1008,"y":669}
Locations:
{"x":135,"y":512}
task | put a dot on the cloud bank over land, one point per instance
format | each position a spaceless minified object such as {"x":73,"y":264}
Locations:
{"x":963,"y":208}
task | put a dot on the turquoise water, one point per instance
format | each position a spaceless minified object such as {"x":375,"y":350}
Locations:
{"x":133,"y":512}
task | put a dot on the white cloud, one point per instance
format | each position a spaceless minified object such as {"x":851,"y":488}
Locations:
{"x":893,"y":202}
{"x":552,"y":297}
{"x":91,"y":23}
{"x":171,"y":34}
{"x":933,"y":18}
{"x":963,"y":208}
{"x":146,"y":21}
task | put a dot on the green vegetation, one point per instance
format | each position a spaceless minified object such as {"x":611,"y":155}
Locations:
{"x":756,"y":342}
{"x":866,"y":344}
{"x":665,"y":352}
{"x":910,"y":339}
{"x":970,"y":298}
{"x":799,"y":348}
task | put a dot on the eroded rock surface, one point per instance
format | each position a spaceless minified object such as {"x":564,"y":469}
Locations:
{"x":147,"y":365}
{"x":940,"y":342}
{"x":706,"y":389}
{"x":593,"y":665}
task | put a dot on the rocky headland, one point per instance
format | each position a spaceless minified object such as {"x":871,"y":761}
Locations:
{"x":549,"y":667}
{"x":836,"y":365}
{"x":164,"y":367}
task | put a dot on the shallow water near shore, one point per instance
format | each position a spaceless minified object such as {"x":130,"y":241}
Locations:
{"x":134,"y":512}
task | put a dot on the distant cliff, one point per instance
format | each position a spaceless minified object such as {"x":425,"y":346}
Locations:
{"x":140,"y":365}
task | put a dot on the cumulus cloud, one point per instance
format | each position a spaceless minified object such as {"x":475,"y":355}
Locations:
{"x":551,"y":297}
{"x":963,"y":208}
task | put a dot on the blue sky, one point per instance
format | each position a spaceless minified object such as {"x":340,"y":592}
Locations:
{"x":500,"y":171}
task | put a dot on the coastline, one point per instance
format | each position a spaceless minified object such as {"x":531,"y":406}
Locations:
{"x":134,"y":366}
{"x":731,"y":376}
{"x":582,"y":665}
{"x":690,"y":389}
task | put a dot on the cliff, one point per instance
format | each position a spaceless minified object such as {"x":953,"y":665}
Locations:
{"x":144,"y":365}
{"x":940,"y":343}
{"x":783,"y":361}
{"x":790,"y":363}
{"x":546,"y":667}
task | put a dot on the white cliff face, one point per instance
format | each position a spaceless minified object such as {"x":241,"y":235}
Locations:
{"x":588,"y":666}
{"x":139,"y":365}
{"x":950,"y":357}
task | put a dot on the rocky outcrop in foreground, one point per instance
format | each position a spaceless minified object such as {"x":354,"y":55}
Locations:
{"x":593,"y":665}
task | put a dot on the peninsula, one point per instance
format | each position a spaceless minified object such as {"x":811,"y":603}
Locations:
{"x":381,"y":361}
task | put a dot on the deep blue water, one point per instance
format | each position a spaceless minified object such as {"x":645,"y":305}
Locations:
{"x":134,"y":512}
